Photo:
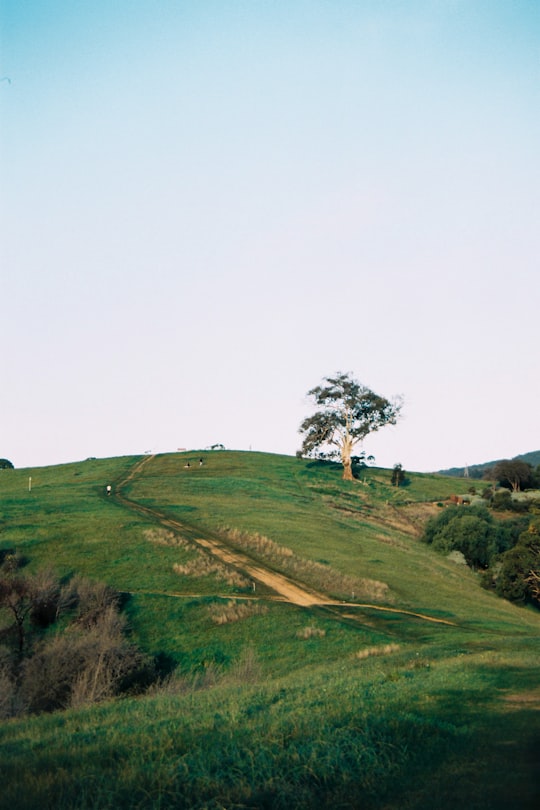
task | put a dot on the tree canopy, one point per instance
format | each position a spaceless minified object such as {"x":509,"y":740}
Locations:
{"x":346,"y":412}
{"x":5,"y":464}
{"x":513,"y":474}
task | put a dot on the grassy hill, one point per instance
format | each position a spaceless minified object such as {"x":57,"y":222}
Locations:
{"x":401,"y":684}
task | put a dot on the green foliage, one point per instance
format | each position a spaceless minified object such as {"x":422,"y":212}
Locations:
{"x":346,"y":412}
{"x":5,"y":464}
{"x":514,"y":474}
{"x":471,"y":530}
{"x":483,"y":540}
{"x":521,"y":568}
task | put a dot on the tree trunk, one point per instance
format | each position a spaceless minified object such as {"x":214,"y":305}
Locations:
{"x":346,"y":450}
{"x":347,"y":471}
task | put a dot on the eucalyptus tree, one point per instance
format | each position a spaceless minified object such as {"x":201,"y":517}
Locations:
{"x":514,"y":474}
{"x":346,"y":412}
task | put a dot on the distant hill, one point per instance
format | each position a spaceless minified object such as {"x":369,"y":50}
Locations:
{"x":479,"y":470}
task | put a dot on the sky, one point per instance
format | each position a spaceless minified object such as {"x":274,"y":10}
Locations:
{"x":208,"y":206}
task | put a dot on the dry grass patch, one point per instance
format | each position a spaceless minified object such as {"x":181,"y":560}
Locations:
{"x":310,"y":632}
{"x":205,"y":566}
{"x":385,"y":649}
{"x":164,"y":537}
{"x":234,"y":611}
{"x":390,"y":541}
{"x":258,"y":543}
{"x":314,"y":574}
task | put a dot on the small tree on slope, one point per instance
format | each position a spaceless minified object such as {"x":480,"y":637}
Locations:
{"x":346,"y":413}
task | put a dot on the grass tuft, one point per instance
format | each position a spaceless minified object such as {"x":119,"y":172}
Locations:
{"x":236,"y":611}
{"x":310,"y":632}
{"x":385,"y":649}
{"x":206,"y":566}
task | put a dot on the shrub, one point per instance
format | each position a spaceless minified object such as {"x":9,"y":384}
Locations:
{"x":471,"y":530}
{"x":91,"y":659}
{"x":81,"y":666}
{"x":520,"y":568}
{"x":502,"y":499}
{"x":46,"y":597}
{"x":93,"y":600}
{"x":8,"y":686}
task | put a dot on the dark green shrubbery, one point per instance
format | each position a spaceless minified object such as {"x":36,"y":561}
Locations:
{"x":508,"y":551}
{"x":471,"y":530}
{"x":519,"y":577}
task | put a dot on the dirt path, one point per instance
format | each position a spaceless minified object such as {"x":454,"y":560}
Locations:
{"x":286,"y":589}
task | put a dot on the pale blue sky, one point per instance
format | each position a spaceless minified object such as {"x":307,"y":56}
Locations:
{"x":209,"y":206}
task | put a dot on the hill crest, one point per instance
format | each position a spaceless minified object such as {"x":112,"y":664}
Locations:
{"x":478,"y":470}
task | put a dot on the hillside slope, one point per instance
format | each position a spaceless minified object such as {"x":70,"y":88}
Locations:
{"x":390,"y":687}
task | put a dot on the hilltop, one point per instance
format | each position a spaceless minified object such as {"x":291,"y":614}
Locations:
{"x":311,"y":650}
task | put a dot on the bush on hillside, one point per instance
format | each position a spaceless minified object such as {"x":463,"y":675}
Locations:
{"x":468,"y":530}
{"x":473,"y":531}
{"x":44,"y":668}
{"x":507,"y":551}
{"x":520,"y":568}
{"x":82,"y":666}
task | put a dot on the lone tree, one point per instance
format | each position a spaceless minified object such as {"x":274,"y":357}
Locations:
{"x":346,"y":413}
{"x":513,"y":474}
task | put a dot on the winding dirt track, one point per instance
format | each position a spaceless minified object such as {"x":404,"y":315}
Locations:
{"x":286,"y":589}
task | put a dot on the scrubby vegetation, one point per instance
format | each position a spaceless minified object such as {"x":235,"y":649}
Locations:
{"x":62,"y":644}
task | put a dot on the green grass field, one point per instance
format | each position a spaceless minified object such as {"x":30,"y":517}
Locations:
{"x":421,"y":692}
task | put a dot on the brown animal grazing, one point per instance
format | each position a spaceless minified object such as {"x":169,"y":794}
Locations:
{"x":458,"y":500}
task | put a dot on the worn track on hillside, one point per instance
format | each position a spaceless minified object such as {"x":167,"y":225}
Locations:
{"x":286,"y":589}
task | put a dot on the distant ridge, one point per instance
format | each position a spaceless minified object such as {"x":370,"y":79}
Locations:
{"x":478,"y":470}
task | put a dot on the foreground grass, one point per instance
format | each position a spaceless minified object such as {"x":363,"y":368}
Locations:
{"x":285,"y":707}
{"x":396,"y":731}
